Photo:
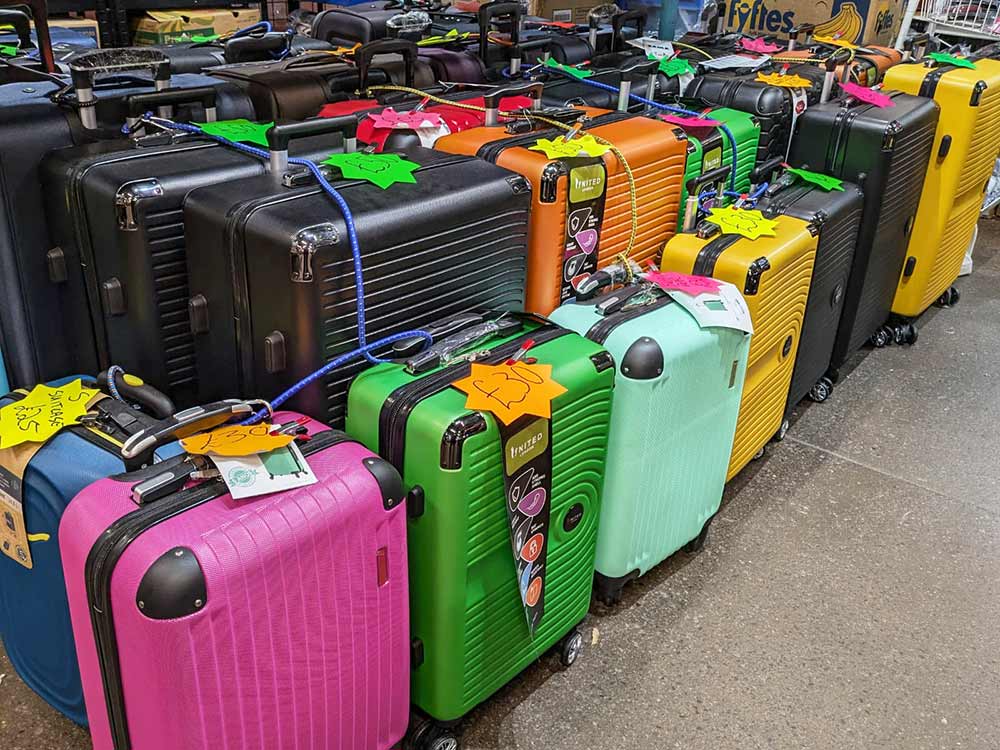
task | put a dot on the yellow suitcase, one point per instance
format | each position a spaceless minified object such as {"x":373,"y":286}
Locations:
{"x":774,"y":274}
{"x":966,"y":146}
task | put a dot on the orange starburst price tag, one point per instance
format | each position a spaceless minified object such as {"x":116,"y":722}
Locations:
{"x":509,"y":391}
{"x":236,"y":440}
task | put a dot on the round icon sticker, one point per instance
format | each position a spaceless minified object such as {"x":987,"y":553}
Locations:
{"x":525,"y":578}
{"x":534,"y":592}
{"x":533,"y":502}
{"x":533,"y":548}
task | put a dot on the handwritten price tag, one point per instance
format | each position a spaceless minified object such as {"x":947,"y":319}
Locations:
{"x":43,"y":412}
{"x":557,"y":148}
{"x":759,"y":45}
{"x":383,"y":170}
{"x":511,"y":391}
{"x":748,"y":223}
{"x":820,"y":180}
{"x":944,"y":58}
{"x":867,"y":95}
{"x":451,"y":36}
{"x":682,"y":282}
{"x":236,"y":440}
{"x":785,"y":81}
{"x":240,"y":131}
{"x":390,"y":118}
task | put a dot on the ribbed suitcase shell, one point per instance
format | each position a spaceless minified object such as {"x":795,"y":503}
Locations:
{"x":455,"y":240}
{"x":704,"y":142}
{"x":465,"y":604}
{"x":34,"y":613}
{"x":671,"y":431}
{"x":296,"y":644}
{"x":838,"y":216}
{"x":867,"y":68}
{"x":143,"y":258}
{"x":357,"y":24}
{"x":885,"y":150}
{"x":656,"y":153}
{"x":956,"y":180}
{"x":771,"y":105}
{"x":777,"y":309}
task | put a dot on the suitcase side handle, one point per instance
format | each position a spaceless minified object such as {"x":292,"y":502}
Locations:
{"x":618,"y":27}
{"x":364,"y":54}
{"x":280,"y":136}
{"x":491,"y":99}
{"x":138,"y":104}
{"x":496,"y":9}
{"x":715,"y":177}
{"x":185,"y":423}
{"x":21,"y":25}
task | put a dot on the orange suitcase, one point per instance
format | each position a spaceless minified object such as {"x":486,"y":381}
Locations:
{"x":581,"y":214}
{"x":867,"y":66}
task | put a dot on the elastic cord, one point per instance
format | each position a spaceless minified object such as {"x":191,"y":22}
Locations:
{"x":112,"y":388}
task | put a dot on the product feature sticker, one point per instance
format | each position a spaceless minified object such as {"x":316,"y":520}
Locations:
{"x":588,"y":179}
{"x":264,"y":473}
{"x":43,"y":412}
{"x":658,"y":48}
{"x":14,"y":536}
{"x":723,"y":308}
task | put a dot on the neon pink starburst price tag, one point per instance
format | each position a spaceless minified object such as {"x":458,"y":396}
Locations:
{"x":390,"y":118}
{"x":867,"y":95}
{"x":759,"y":45}
{"x":682,"y":282}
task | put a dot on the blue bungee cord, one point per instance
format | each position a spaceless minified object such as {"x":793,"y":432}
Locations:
{"x":365,"y":348}
{"x":676,"y":110}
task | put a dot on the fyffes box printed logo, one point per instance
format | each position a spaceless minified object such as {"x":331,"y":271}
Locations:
{"x":754,"y":16}
{"x":586,"y":183}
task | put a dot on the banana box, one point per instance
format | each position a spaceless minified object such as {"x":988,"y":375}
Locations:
{"x":852,"y":21}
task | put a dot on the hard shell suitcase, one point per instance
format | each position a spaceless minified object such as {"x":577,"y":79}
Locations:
{"x":867,"y":66}
{"x":355,"y":24}
{"x":773,"y":274}
{"x":116,"y":209}
{"x":203,"y":621}
{"x":581,"y":216}
{"x":776,"y":108}
{"x":967,"y":143}
{"x":454,"y":240}
{"x":886,"y":151}
{"x":195,"y":57}
{"x":838,"y":216}
{"x":32,"y":124}
{"x":677,"y":397}
{"x":34,"y":613}
{"x":468,"y":621}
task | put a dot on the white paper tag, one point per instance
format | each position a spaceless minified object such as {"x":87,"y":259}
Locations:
{"x":658,"y":48}
{"x":429,"y":134}
{"x":723,"y":309}
{"x":735,"y":61}
{"x":264,"y":473}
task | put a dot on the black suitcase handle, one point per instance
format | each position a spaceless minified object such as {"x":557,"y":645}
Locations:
{"x":694,"y":186}
{"x":491,"y":99}
{"x":139,"y":104}
{"x":280,"y":136}
{"x":805,"y":29}
{"x":493,"y":10}
{"x":21,"y":25}
{"x":618,"y":22}
{"x":185,"y":423}
{"x":150,"y":399}
{"x":366,"y":52}
{"x":254,"y":47}
{"x":765,"y":170}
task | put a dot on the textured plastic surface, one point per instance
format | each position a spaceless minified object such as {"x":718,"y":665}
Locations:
{"x":956,"y":181}
{"x":671,"y":436}
{"x":296,"y":643}
{"x":777,"y":309}
{"x":466,"y":607}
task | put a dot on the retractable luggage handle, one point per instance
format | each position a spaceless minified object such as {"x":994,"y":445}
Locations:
{"x":439,"y":353}
{"x":608,"y":276}
{"x":438,"y":330}
{"x":914,"y":48}
{"x":185,"y":423}
{"x":765,"y":171}
{"x":21,"y":25}
{"x":492,"y":99}
{"x":716,"y":177}
{"x":138,"y":104}
{"x":596,"y":17}
{"x":829,"y":79}
{"x":618,"y":22}
{"x":806,"y":29}
{"x":642,"y":67}
{"x":85,"y":67}
{"x":366,"y":52}
{"x":280,"y":136}
{"x":493,"y":10}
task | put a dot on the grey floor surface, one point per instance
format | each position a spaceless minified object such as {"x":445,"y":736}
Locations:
{"x":848,"y":596}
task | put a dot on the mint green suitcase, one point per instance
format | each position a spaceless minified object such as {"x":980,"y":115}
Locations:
{"x":677,"y":396}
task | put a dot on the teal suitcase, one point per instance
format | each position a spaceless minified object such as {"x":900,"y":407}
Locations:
{"x":677,"y":396}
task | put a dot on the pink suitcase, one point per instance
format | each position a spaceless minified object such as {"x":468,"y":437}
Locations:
{"x":279,"y":621}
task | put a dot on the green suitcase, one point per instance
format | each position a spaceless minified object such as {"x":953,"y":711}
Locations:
{"x":468,"y":621}
{"x":709,"y":149}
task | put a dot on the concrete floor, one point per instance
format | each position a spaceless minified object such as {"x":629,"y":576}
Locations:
{"x":848,"y":596}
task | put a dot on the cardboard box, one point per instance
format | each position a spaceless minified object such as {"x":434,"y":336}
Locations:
{"x":169,"y":26}
{"x":567,"y":11}
{"x":84,"y":26}
{"x":857,"y":21}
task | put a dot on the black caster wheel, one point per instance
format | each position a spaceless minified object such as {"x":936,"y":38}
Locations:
{"x":426,"y":735}
{"x":444,"y":740}
{"x":698,"y":543}
{"x":570,"y":648}
{"x":759,"y":454}
{"x":782,"y":431}
{"x":905,"y":334}
{"x":882,"y":337}
{"x":949,"y":298}
{"x":821,"y":391}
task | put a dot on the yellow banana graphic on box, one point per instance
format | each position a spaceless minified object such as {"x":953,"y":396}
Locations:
{"x":845,"y":26}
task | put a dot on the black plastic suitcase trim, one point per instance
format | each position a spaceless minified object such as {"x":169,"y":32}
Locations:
{"x":106,"y":553}
{"x":602,"y":329}
{"x":708,"y":256}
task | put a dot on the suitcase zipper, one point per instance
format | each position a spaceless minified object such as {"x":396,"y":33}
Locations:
{"x":401,"y":402}
{"x":601,"y":330}
{"x":106,"y":553}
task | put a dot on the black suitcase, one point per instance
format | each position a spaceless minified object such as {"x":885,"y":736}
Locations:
{"x":355,"y":24}
{"x":838,"y":216}
{"x":276,"y":260}
{"x":35,"y":346}
{"x":773,"y":106}
{"x":196,"y":57}
{"x":115,"y":209}
{"x":638,"y":77}
{"x":886,"y":151}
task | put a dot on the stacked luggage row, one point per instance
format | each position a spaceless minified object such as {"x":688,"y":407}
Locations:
{"x":399,"y":236}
